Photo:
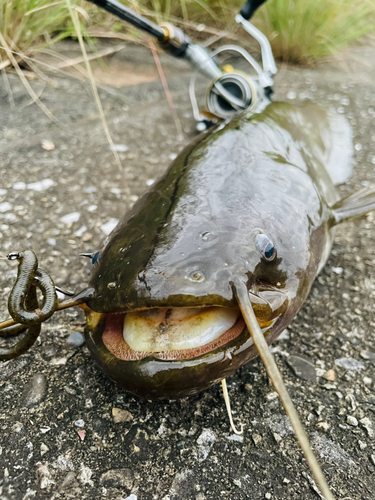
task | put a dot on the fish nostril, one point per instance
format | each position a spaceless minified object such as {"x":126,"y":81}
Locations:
{"x":196,"y":276}
{"x":207,"y":236}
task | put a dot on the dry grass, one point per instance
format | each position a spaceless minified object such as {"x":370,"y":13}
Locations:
{"x":300,"y":31}
{"x":29,"y":25}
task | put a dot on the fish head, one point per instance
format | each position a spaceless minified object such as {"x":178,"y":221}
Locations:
{"x":171,"y":293}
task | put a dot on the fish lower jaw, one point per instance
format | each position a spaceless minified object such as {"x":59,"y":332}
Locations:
{"x":171,"y":333}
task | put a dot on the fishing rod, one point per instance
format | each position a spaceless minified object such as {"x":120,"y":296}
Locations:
{"x":229,"y":91}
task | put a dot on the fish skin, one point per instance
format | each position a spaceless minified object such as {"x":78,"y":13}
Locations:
{"x":256,"y":173}
{"x":259,"y":173}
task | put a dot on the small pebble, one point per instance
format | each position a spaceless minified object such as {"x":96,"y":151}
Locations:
{"x":257,"y":438}
{"x":80,"y":231}
{"x":338,"y":270}
{"x":43,"y":449}
{"x":272,"y":396}
{"x":40,"y":185}
{"x":367,"y":380}
{"x":120,"y":415}
{"x":268,"y":496}
{"x":35,"y":390}
{"x":362,"y":445}
{"x":351,"y":420}
{"x":367,"y":424}
{"x":324,"y":426}
{"x":69,"y":481}
{"x":330,"y":387}
{"x":302,"y":367}
{"x":235,"y":437}
{"x":4,"y":207}
{"x":58,"y":361}
{"x":76,"y":339}
{"x":350,"y":364}
{"x":70,"y":218}
{"x":117,"y":478}
{"x":277,"y":437}
{"x":369,"y":355}
{"x":330,"y":375}
{"x":48,"y":145}
{"x":79,"y":423}
{"x":120,"y":148}
{"x":82,"y":434}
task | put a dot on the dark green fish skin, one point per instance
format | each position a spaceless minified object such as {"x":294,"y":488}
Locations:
{"x":195,"y":232}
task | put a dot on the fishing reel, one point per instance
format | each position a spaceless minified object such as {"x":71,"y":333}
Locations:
{"x":230,"y":88}
{"x":236,"y":80}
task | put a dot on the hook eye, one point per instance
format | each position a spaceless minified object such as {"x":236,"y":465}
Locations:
{"x":13,"y":256}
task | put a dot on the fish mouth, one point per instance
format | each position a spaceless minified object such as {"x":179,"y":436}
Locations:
{"x":182,"y":333}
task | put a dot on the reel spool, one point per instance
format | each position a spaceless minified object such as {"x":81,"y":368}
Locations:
{"x":230,"y":90}
{"x":237,"y":85}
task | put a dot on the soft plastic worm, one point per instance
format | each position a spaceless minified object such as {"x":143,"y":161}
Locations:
{"x":30,"y":276}
{"x":23,"y":304}
{"x":33,"y":331}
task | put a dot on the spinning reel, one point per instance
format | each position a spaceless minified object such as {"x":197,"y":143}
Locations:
{"x":228,"y":91}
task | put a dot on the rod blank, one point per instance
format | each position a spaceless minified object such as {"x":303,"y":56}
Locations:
{"x":123,"y":12}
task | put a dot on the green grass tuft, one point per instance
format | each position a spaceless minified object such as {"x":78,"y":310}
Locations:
{"x":27,"y":25}
{"x":303,"y":31}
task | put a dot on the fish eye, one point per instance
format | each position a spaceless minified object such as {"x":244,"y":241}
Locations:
{"x":265,"y":247}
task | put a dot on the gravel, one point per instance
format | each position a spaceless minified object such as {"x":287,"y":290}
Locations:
{"x":184,"y":449}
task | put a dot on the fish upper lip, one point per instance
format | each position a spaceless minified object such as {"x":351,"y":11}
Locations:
{"x":268,"y":303}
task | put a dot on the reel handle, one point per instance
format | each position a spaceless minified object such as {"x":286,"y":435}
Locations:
{"x":250,"y":7}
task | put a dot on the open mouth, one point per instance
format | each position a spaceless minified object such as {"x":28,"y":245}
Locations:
{"x":172,"y":333}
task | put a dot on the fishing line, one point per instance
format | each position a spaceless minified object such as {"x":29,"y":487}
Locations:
{"x":229,"y":410}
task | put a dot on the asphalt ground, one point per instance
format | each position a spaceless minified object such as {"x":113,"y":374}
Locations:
{"x":69,"y":432}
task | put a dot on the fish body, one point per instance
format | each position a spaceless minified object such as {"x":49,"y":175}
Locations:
{"x":264,"y":180}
